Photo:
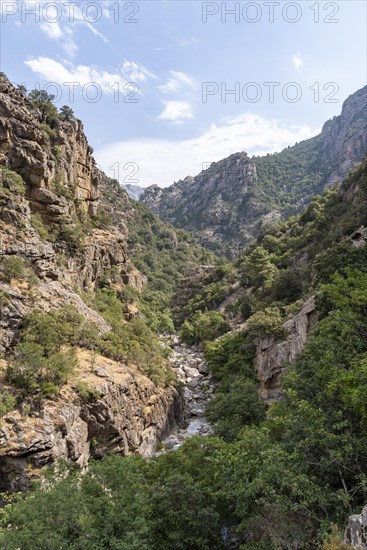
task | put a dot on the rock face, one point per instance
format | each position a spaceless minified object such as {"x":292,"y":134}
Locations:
{"x":344,"y":138}
{"x":273,"y":355}
{"x":46,"y":158}
{"x":134,"y":191}
{"x":228,"y":204}
{"x":51,"y":195}
{"x":356,"y":531}
{"x":128,"y":415}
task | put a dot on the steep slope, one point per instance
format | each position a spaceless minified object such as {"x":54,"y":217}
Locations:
{"x":82,"y":373}
{"x":134,"y":191}
{"x":228,"y":204}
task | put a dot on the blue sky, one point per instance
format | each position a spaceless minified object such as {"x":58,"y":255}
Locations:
{"x":290,"y":65}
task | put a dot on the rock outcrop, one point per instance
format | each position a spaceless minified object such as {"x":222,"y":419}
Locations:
{"x":126,"y":414}
{"x":58,"y":245}
{"x":356,"y":531}
{"x":272,"y":355}
{"x":229,"y":203}
{"x":46,"y":158}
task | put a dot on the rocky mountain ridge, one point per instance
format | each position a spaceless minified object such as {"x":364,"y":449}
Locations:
{"x":228,"y":204}
{"x":58,"y":248}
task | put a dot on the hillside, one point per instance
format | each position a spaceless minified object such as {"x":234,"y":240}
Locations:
{"x":228,"y":204}
{"x":85,"y":278}
{"x":274,"y":343}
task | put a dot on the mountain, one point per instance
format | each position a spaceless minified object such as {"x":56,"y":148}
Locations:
{"x":82,"y":371}
{"x":228,"y":204}
{"x":134,"y":191}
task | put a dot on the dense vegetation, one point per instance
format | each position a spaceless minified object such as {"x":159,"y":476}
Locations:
{"x":279,"y":481}
{"x":279,"y":478}
{"x":160,"y":252}
{"x":271,"y":477}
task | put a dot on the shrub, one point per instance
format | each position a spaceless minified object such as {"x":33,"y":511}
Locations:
{"x":87,"y":393}
{"x":11,"y":182}
{"x":234,"y":406}
{"x":37,"y":224}
{"x":13,"y":267}
{"x":44,"y":103}
{"x":7,"y":403}
{"x":188,"y":335}
{"x":265,"y":323}
{"x":73,"y":235}
{"x":45,"y":356}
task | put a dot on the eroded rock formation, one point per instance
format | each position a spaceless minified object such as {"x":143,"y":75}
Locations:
{"x":272,"y":355}
{"x":128,"y":414}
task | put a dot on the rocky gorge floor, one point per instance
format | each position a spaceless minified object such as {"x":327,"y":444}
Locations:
{"x":198,"y":387}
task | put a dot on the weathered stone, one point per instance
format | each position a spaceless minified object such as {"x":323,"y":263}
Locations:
{"x":356,"y":531}
{"x":131,"y":417}
{"x":273,"y":355}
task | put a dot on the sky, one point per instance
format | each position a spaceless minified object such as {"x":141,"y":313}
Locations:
{"x":165,"y":88}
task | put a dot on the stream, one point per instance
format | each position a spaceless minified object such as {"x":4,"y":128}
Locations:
{"x":199,"y":386}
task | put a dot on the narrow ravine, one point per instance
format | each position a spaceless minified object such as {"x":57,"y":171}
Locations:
{"x":198,"y":386}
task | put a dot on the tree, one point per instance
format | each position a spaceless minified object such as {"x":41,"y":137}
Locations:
{"x":22,"y":89}
{"x":66,"y":112}
{"x":44,"y":103}
{"x":181,"y":517}
{"x":258,"y":269}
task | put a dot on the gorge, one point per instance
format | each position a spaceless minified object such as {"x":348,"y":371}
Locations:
{"x":199,"y":385}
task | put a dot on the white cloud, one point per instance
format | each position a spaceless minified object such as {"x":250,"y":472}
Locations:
{"x":54,"y":71}
{"x":189,"y":42}
{"x":177,"y":82}
{"x":297,"y":61}
{"x":177,"y":112}
{"x":58,"y":21}
{"x":162,"y":161}
{"x":135,"y":72}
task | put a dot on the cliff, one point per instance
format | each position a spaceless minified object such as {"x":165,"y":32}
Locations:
{"x":273,"y":356}
{"x":126,"y":414}
{"x":58,"y":249}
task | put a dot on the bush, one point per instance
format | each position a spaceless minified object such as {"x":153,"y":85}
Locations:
{"x":234,"y":406}
{"x":11,"y":183}
{"x":7,"y":403}
{"x":205,"y":327}
{"x":232,"y":353}
{"x":87,"y":393}
{"x":13,"y":267}
{"x":266,"y":323}
{"x":73,"y":235}
{"x":37,"y":224}
{"x":41,"y":361}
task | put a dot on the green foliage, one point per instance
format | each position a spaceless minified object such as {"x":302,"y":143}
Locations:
{"x":232,"y":353}
{"x":132,"y":342}
{"x":87,"y":393}
{"x":44,"y":103}
{"x":13,"y":267}
{"x":235,"y":405}
{"x":258,"y":269}
{"x":73,"y":235}
{"x":44,"y":357}
{"x":115,"y":506}
{"x":66,"y":112}
{"x":60,"y":188}
{"x":10,"y":183}
{"x":205,"y":327}
{"x":266,"y":323}
{"x":181,"y":518}
{"x":7,"y":403}
{"x":38,"y":225}
{"x":287,"y":287}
